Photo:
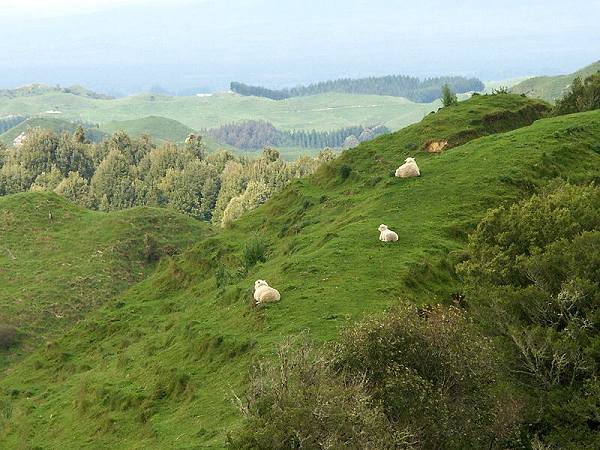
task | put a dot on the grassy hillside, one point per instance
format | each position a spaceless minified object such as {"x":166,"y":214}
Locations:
{"x":156,"y":368}
{"x":552,"y":88}
{"x":321,"y":112}
{"x":57,"y":125}
{"x":56,"y":269}
{"x":160,"y":129}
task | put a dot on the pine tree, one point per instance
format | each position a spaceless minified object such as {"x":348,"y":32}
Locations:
{"x":448,"y":97}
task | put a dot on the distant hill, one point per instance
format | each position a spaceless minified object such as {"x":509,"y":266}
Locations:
{"x":8,"y":122}
{"x":160,"y":129}
{"x":552,"y":88}
{"x":58,"y":261}
{"x":33,"y":90}
{"x":325,"y":112}
{"x":54,"y":124}
{"x":414,"y":89}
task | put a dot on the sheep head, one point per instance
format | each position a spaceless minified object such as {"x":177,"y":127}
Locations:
{"x":382,"y":227}
{"x":260,"y":283}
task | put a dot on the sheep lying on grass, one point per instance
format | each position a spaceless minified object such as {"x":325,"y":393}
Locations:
{"x":263,"y":293}
{"x":386,"y":235}
{"x":408,"y":169}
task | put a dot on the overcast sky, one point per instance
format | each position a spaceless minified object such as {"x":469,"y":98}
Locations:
{"x":130,"y":45}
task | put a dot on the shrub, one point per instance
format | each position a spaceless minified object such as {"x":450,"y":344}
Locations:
{"x":431,"y":372}
{"x":345,"y":171}
{"x":8,"y":336}
{"x":408,"y":379}
{"x":533,"y":276}
{"x":583,"y":96}
{"x":299,"y":401}
{"x":255,"y":250}
{"x":448,"y":97}
{"x":151,"y":249}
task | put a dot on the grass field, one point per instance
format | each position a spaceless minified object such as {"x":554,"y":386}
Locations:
{"x":320,"y":112}
{"x":156,"y":368}
{"x":58,"y":261}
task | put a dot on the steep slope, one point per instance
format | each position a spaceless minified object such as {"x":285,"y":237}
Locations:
{"x":57,"y":125}
{"x":156,"y":368}
{"x":552,"y":88}
{"x":58,"y":261}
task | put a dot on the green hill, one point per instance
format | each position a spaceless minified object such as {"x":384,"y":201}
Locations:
{"x":58,"y":261}
{"x":160,"y":129}
{"x":57,"y":125}
{"x":552,"y":88}
{"x":321,"y":112}
{"x":157,"y":367}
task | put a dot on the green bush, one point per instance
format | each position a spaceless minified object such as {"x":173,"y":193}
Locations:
{"x":412,"y":379}
{"x":300,"y":401}
{"x":151,"y":249}
{"x":345,"y":171}
{"x":583,"y":96}
{"x":431,"y":371}
{"x":255,"y":250}
{"x":533,"y":276}
{"x":8,"y":336}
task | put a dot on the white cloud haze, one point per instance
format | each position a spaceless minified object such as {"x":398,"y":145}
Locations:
{"x":44,"y":8}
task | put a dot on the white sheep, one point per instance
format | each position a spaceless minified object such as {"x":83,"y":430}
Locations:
{"x":263,"y":293}
{"x":408,"y":169}
{"x":387,"y":235}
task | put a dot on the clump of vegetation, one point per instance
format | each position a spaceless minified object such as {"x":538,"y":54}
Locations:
{"x":252,"y":134}
{"x":302,"y":401}
{"x":408,"y":379}
{"x":255,"y":250}
{"x":345,"y":171}
{"x":583,"y":96}
{"x":151,"y":248}
{"x":534,"y":278}
{"x":8,"y":336}
{"x":449,"y":98}
{"x":123,"y":172}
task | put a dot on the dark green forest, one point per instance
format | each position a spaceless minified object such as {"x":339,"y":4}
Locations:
{"x":412,"y":88}
{"x":254,"y":134}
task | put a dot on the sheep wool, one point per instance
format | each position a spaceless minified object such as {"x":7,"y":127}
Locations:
{"x":408,"y":169}
{"x":263,"y":293}
{"x":387,"y":235}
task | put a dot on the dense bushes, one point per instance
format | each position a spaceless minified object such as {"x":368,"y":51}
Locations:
{"x":533,"y":277}
{"x":253,"y":134}
{"x":583,"y":96}
{"x":302,"y":401}
{"x":408,"y":379}
{"x":122,"y":172}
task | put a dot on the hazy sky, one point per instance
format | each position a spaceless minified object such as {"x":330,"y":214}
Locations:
{"x":131,"y":45}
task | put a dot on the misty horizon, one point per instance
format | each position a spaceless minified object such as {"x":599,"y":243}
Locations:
{"x":127,"y":47}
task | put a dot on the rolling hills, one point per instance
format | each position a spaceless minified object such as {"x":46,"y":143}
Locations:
{"x":321,"y":112}
{"x":58,"y":261}
{"x":57,"y":125}
{"x":552,"y":88}
{"x":156,"y":368}
{"x":160,"y":129}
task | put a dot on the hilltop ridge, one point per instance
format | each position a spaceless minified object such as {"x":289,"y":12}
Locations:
{"x":551,"y":88}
